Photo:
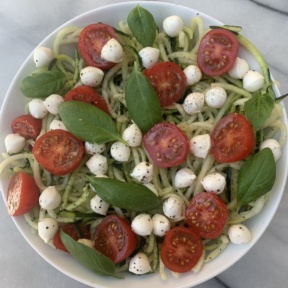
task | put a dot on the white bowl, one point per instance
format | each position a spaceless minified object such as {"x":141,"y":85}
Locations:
{"x":62,"y":261}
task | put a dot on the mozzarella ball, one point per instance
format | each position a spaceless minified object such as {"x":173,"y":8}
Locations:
{"x":120,"y":152}
{"x":200,"y":145}
{"x":97,"y":164}
{"x":215,"y":97}
{"x":98,"y":205}
{"x":132,"y":135}
{"x":193,"y":74}
{"x":214,"y":183}
{"x":86,"y":242}
{"x":37,"y":108}
{"x":239,"y":234}
{"x":14,"y":143}
{"x":91,"y":76}
{"x":94,"y":148}
{"x":142,"y":224}
{"x":174,"y":208}
{"x":239,"y":68}
{"x":43,"y":56}
{"x":50,"y":198}
{"x":184,"y":178}
{"x":57,"y":124}
{"x":52,"y":103}
{"x":139,"y":264}
{"x":274,"y":145}
{"x":47,"y":229}
{"x":161,"y":225}
{"x":149,"y":56}
{"x":112,"y":51}
{"x":173,"y":25}
{"x":143,"y":172}
{"x":193,"y":103}
{"x":253,"y":81}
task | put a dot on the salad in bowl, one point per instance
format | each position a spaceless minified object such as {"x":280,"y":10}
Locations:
{"x":148,"y":145}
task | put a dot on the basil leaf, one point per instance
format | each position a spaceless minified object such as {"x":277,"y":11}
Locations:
{"x":256,"y":177}
{"x":142,"y":24}
{"x":43,"y":84}
{"x":131,"y":196}
{"x":89,"y":257}
{"x":142,"y":100}
{"x":258,"y":109}
{"x":88,"y":122}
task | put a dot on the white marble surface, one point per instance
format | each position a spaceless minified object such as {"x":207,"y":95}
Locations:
{"x":24,"y":23}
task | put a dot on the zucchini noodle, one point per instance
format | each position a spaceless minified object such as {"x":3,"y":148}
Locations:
{"x":75,"y":189}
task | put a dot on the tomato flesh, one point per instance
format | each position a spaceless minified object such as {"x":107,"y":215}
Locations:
{"x":27,"y":126}
{"x":217,"y":52}
{"x":71,"y":230}
{"x":168,"y":80}
{"x":181,"y":250}
{"x":114,"y":238}
{"x":89,"y":95}
{"x":232,"y":139}
{"x":166,"y":144}
{"x":58,"y":151}
{"x":207,"y":214}
{"x":91,"y":41}
{"x":23,"y":194}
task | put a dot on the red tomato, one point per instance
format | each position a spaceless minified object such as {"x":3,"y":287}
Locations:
{"x":207,"y":214}
{"x":71,"y":230}
{"x":232,"y":139}
{"x":114,"y":238}
{"x":181,"y":250}
{"x":168,"y":80}
{"x":23,"y":194}
{"x":58,"y":151}
{"x":166,"y":144}
{"x":217,"y":52}
{"x":91,"y":41}
{"x":89,"y":95}
{"x":27,"y":126}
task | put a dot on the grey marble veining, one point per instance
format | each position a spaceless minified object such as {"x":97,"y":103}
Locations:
{"x":24,"y":23}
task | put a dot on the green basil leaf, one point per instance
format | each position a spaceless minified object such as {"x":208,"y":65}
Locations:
{"x":256,"y":177}
{"x":126,"y":195}
{"x":142,"y":24}
{"x":43,"y":84}
{"x":258,"y":109}
{"x":88,"y":122}
{"x":142,"y":100}
{"x":89,"y":257}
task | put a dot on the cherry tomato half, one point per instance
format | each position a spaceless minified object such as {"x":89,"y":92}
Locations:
{"x":23,"y":194}
{"x":166,"y":144}
{"x":27,"y":126}
{"x":114,"y":238}
{"x":232,"y":139}
{"x":58,"y":151}
{"x":91,"y":41}
{"x":71,"y":230}
{"x":181,"y":250}
{"x":168,"y":80}
{"x":217,"y":52}
{"x":89,"y":95}
{"x":207,"y":214}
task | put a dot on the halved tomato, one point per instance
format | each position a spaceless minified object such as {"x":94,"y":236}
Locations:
{"x":207,"y":214}
{"x":58,"y":151}
{"x":217,"y":52}
{"x":169,"y":81}
{"x":166,"y":144}
{"x":232,"y":139}
{"x":91,"y":41}
{"x":181,"y":250}
{"x":114,"y":238}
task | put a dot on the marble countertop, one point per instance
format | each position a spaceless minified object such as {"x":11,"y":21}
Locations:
{"x":24,"y":23}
